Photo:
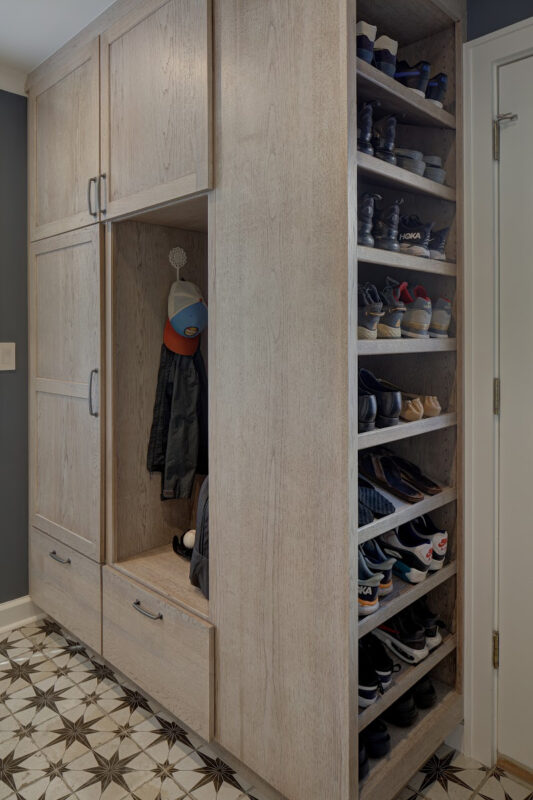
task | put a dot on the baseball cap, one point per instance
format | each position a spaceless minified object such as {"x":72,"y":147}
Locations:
{"x":179,"y":344}
{"x":187,"y":311}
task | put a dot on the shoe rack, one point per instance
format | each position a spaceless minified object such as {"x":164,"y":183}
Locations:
{"x":431,"y":30}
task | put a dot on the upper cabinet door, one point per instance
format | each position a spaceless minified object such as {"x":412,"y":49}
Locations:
{"x":64,"y":145}
{"x":66,"y":407}
{"x":156,"y":104}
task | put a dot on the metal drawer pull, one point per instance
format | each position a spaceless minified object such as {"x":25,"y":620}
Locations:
{"x":138,"y":607}
{"x":89,"y":196}
{"x":57,"y":558}
{"x":102,"y":180}
{"x":92,"y":412}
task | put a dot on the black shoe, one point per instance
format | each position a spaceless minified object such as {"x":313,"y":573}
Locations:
{"x":422,"y":616}
{"x":415,"y":78}
{"x":389,"y":401}
{"x":437,"y":244}
{"x":403,"y":712}
{"x":382,"y":662}
{"x":367,"y":411}
{"x":366,"y":36}
{"x":365,"y":118}
{"x":364,"y":766}
{"x":365,"y":515}
{"x":424,"y":693}
{"x":385,"y":51}
{"x":414,"y":236}
{"x":369,"y":686}
{"x":436,"y":88}
{"x":384,"y":138}
{"x":365,"y":213}
{"x":376,"y":739}
{"x":404,"y":637}
{"x":385,"y":230}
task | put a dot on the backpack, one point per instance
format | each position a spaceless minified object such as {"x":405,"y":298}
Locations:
{"x":199,"y":573}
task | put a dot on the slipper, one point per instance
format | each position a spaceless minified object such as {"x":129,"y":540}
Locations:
{"x":383,"y":470}
{"x":410,"y":472}
{"x":374,"y":500}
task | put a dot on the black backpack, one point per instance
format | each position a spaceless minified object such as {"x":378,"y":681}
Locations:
{"x":199,"y":574}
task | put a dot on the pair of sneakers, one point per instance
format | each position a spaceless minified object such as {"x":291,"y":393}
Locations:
{"x":380,"y":313}
{"x":422,"y":318}
{"x":380,"y":51}
{"x":413,"y":633}
{"x":419,"y":548}
{"x":376,"y":669}
{"x":374,"y":577}
{"x":417,"y":238}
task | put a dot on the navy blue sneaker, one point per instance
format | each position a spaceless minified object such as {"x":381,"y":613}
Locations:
{"x":437,"y":244}
{"x":385,"y":50}
{"x":366,"y":36}
{"x":414,"y":235}
{"x":415,"y":78}
{"x":436,"y":89}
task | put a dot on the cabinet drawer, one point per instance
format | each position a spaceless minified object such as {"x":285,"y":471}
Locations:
{"x":170,"y":656}
{"x":67,"y":586}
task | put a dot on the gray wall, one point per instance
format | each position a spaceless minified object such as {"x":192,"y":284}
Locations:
{"x":13,"y":328}
{"x":485,"y":16}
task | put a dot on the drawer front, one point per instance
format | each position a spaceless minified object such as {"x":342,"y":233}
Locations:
{"x":169,"y":654}
{"x":67,"y":586}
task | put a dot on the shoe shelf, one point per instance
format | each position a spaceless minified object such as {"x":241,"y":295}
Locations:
{"x":405,"y":679}
{"x":378,"y":347}
{"x":405,"y":430}
{"x":405,"y":512}
{"x":411,"y":747}
{"x":403,"y":595}
{"x":383,"y":174}
{"x":410,"y":108}
{"x":371,"y":255}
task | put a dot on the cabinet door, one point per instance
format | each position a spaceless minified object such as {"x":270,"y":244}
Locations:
{"x":156,"y":104}
{"x":64,"y":145}
{"x":66,"y":426}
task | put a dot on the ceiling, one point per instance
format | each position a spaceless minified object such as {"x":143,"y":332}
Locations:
{"x":31,"y":30}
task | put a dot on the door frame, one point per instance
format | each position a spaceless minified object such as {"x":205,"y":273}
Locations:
{"x":482,"y":58}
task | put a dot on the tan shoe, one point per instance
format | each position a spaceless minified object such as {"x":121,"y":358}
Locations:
{"x":412,"y":409}
{"x":432,"y":407}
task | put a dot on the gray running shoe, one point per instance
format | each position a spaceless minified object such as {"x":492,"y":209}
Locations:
{"x":393,"y":310}
{"x":417,"y":318}
{"x":369,"y":312}
{"x":440,"y":319}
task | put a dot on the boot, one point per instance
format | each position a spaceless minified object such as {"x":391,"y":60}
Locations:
{"x":366,"y":218}
{"x":365,"y":119}
{"x":384,"y":139}
{"x":385,"y":230}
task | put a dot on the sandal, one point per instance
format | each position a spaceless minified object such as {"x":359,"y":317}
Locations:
{"x":410,"y":472}
{"x":383,"y":470}
{"x":374,"y":500}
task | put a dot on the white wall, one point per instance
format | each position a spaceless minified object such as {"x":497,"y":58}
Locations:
{"x":12,"y":80}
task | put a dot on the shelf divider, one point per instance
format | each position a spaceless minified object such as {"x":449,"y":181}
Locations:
{"x":405,"y":430}
{"x":405,"y":512}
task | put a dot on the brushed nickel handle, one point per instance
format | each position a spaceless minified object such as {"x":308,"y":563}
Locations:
{"x":138,"y":607}
{"x":92,"y":412}
{"x":102,"y":181}
{"x":89,"y":196}
{"x":57,"y":558}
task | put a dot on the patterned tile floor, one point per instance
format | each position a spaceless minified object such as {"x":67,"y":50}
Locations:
{"x":71,"y":728}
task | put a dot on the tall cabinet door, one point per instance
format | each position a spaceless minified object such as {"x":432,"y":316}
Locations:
{"x":64,"y":145}
{"x":156,"y":104}
{"x":66,"y":362}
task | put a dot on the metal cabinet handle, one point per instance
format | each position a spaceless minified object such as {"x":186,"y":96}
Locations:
{"x":92,"y":412}
{"x":102,"y":181}
{"x":89,"y":196}
{"x":57,"y":558}
{"x":138,"y":607}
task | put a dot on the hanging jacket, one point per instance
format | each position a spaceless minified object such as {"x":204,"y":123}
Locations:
{"x":178,"y":438}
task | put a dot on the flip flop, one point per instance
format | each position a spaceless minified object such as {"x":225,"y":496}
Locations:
{"x":383,"y":470}
{"x":374,"y":500}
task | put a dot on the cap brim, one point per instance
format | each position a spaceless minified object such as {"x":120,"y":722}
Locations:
{"x":179,"y":344}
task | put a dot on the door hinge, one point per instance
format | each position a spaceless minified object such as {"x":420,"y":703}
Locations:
{"x":496,"y":122}
{"x":496,"y":396}
{"x":496,"y":649}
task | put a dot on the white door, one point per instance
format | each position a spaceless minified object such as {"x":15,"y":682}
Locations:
{"x":515,"y":695}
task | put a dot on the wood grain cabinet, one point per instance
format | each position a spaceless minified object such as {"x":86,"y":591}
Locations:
{"x":65,"y":373}
{"x":156,"y":104}
{"x":64,"y":144}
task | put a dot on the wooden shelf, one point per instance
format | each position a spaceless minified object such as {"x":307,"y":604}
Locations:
{"x":410,"y":20}
{"x":373,"y":255}
{"x":405,"y":430}
{"x":383,"y":347}
{"x":383,"y":174}
{"x":411,"y":747}
{"x":405,"y":512}
{"x":402,"y":595}
{"x":395,"y":98}
{"x":405,"y":679}
{"x":161,"y":570}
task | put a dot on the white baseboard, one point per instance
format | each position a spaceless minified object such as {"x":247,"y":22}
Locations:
{"x":19,"y":612}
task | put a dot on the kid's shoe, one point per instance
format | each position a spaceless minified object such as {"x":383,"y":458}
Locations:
{"x":378,"y":563}
{"x":384,"y":138}
{"x":366,"y":36}
{"x":365,"y":119}
{"x":368,"y":588}
{"x":439,"y":540}
{"x":377,"y":739}
{"x":437,"y":244}
{"x":417,"y":318}
{"x":365,"y":222}
{"x":385,"y":52}
{"x":436,"y":89}
{"x":423,"y":617}
{"x":380,"y":660}
{"x":415,"y":78}
{"x":385,"y":230}
{"x":412,"y":551}
{"x":414,"y":235}
{"x":403,"y":712}
{"x":368,"y":680}
{"x":404,"y":638}
{"x":369,"y":312}
{"x":441,"y":317}
{"x":389,"y":326}
{"x":424,"y":693}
